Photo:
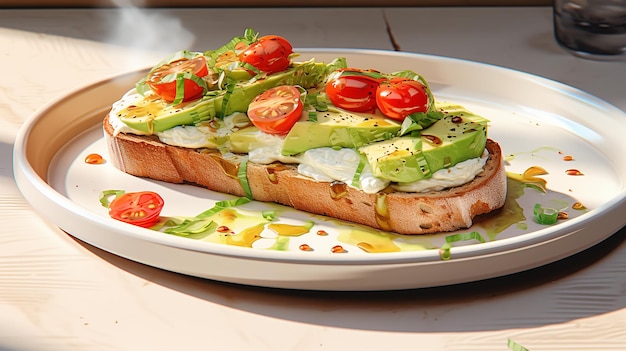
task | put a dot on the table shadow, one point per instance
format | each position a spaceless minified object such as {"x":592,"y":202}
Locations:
{"x":550,"y":294}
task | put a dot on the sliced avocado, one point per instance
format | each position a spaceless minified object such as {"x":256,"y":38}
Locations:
{"x":238,"y":74}
{"x":399,"y":159}
{"x":335,"y":128}
{"x":460,"y":135}
{"x":152,"y":114}
{"x":306,"y":74}
{"x":249,"y":138}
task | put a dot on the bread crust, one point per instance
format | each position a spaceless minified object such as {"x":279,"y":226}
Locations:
{"x":404,"y":213}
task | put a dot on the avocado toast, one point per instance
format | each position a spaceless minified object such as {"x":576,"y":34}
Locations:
{"x":425,"y":170}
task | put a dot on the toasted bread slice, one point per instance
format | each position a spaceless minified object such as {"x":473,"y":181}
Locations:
{"x":404,"y":213}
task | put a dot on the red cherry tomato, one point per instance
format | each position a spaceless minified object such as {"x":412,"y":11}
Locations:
{"x":353,"y":90}
{"x":401,"y":97}
{"x":276,"y":110}
{"x":269,"y":54}
{"x":162,"y":80}
{"x":140,"y":208}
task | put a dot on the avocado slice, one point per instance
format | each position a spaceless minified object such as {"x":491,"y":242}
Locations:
{"x":460,"y":135}
{"x":151,"y":114}
{"x":399,"y":159}
{"x":247,"y":139}
{"x":308,"y":74}
{"x":336,"y":128}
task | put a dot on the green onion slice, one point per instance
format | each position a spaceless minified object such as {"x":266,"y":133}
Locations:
{"x":444,"y":252}
{"x":545,"y":215}
{"x":515,"y":346}
{"x":270,"y":215}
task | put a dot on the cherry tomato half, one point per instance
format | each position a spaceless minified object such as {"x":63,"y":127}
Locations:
{"x":139,"y":208}
{"x":401,"y":97}
{"x":269,"y":54}
{"x":353,"y":90}
{"x":276,"y":110}
{"x":162,"y":80}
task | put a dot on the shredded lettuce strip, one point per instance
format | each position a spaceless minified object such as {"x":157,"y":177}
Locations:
{"x":142,"y":86}
{"x":419,"y":120}
{"x":336,"y":64}
{"x":224,"y":204}
{"x":356,"y":179}
{"x":105,"y":197}
{"x":230,"y":87}
{"x":201,"y":225}
{"x":314,"y":102}
{"x":249,"y":37}
{"x":193,"y":228}
{"x":242,"y":175}
{"x":364,"y":73}
{"x":180,"y":85}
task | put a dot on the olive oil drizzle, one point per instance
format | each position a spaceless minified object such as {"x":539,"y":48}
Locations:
{"x":246,"y":237}
{"x":510,"y":214}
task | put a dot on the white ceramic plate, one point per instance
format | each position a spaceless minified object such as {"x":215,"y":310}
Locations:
{"x":535,"y":120}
